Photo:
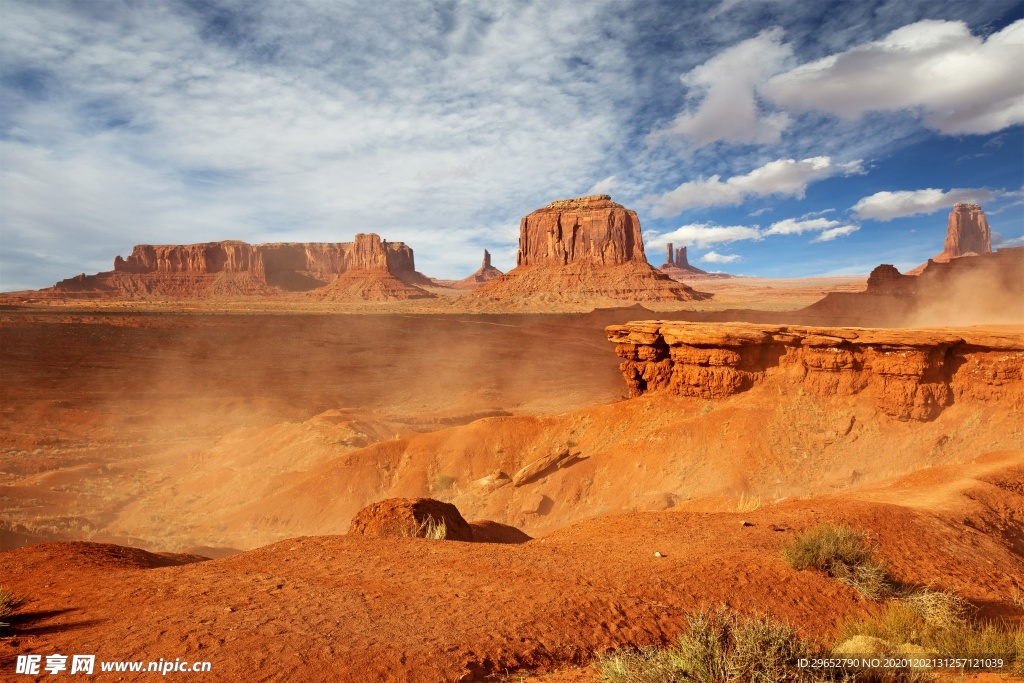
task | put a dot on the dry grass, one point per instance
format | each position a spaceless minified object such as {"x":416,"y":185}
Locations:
{"x":748,"y":503}
{"x":845,"y":554}
{"x":9,"y":602}
{"x":434,"y":529}
{"x":939,"y":623}
{"x":719,"y":646}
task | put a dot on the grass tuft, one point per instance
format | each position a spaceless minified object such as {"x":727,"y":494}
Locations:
{"x":843,"y":553}
{"x":434,"y":529}
{"x":9,"y":602}
{"x":719,"y":646}
{"x":938,"y":623}
{"x":748,"y":503}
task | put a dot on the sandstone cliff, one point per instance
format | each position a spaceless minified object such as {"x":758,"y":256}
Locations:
{"x":587,"y":250}
{"x":967,"y":234}
{"x":912,"y":374}
{"x":234,"y":268}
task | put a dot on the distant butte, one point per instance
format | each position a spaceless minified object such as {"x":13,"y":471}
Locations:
{"x":367,"y":269}
{"x":677,"y":266}
{"x":586,"y":249}
{"x":967,"y":234}
{"x":481,"y":277}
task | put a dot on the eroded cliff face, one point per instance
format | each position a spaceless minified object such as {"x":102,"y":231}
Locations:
{"x":967,"y":232}
{"x":367,"y":252}
{"x":586,"y":229}
{"x":581,"y":252}
{"x":231,"y":268}
{"x":913,"y":374}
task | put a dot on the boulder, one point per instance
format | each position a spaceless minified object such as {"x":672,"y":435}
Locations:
{"x":410,"y":517}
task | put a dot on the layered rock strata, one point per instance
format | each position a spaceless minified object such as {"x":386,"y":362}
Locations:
{"x":967,"y":234}
{"x":586,"y":249}
{"x":234,"y":267}
{"x":913,"y":374}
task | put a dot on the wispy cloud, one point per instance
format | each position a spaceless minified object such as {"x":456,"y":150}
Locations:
{"x":786,"y":177}
{"x":715,"y":257}
{"x":885,"y":206}
{"x":702,"y":235}
{"x":959,"y":83}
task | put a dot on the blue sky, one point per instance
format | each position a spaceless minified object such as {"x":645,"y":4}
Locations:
{"x":775,"y":137}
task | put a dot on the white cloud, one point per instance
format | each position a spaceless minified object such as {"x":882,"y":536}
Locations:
{"x":956,"y":82}
{"x":702,"y":235}
{"x":604,"y":186}
{"x":786,"y":177}
{"x":792,"y":226}
{"x":715,"y":257}
{"x":153,"y":130}
{"x":833,"y":233}
{"x":725,"y":87}
{"x":884,"y":206}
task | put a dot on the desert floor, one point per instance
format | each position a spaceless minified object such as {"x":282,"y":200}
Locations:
{"x":213,"y":428}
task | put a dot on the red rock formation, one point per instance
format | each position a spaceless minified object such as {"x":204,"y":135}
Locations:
{"x":967,"y":232}
{"x":587,"y":229}
{"x":410,"y":517}
{"x":914,"y":374}
{"x":481,"y":277}
{"x":233,"y":268}
{"x":965,"y":290}
{"x":678,"y":267}
{"x":587,"y":251}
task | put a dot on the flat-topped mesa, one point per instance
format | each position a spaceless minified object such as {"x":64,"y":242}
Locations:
{"x":913,"y":374}
{"x":367,"y":252}
{"x":234,"y":268}
{"x":586,"y":229}
{"x":580,"y":253}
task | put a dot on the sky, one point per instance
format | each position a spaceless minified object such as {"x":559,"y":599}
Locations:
{"x":778,"y":138}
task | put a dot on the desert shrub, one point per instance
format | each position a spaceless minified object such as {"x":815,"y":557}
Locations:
{"x":929,"y":622}
{"x":644,"y":665}
{"x":9,"y":602}
{"x":719,"y":646}
{"x":843,"y":553}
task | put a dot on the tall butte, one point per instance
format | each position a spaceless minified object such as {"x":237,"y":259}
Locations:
{"x":585,"y":250}
{"x":967,"y":234}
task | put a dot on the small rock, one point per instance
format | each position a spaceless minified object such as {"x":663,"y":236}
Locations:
{"x":658,"y":554}
{"x":746,"y":523}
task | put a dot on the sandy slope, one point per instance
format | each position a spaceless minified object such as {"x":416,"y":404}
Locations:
{"x":345,"y":608}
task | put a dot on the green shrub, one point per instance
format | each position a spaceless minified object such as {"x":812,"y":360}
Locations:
{"x":845,"y":554}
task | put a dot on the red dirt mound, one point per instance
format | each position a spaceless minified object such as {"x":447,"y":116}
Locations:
{"x":410,"y":517}
{"x":368,"y":285}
